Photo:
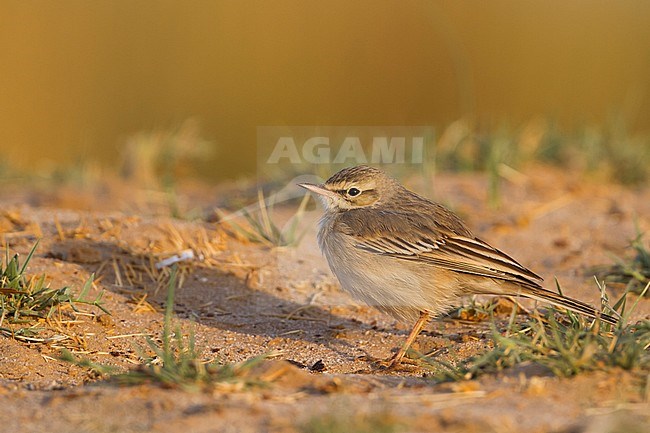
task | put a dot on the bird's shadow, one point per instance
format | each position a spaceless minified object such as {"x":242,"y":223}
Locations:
{"x":217,"y":298}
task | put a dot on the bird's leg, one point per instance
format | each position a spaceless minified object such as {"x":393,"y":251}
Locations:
{"x":425,"y":316}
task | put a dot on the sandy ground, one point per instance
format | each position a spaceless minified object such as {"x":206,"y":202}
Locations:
{"x":242,"y":300}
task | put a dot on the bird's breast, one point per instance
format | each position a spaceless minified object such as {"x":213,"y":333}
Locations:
{"x":392,"y":285}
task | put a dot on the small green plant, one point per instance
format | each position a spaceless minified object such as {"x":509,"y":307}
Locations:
{"x":262,"y":229}
{"x":633,"y":272}
{"x":24,"y":300}
{"x":178,"y":364}
{"x":566,"y":346}
{"x":174,"y":363}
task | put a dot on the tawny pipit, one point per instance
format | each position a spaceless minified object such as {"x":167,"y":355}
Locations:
{"x":411,"y":257}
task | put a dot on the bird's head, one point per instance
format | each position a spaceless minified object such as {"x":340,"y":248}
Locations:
{"x":354,"y":187}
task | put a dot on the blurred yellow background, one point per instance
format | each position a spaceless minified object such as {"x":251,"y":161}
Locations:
{"x":78,"y":77}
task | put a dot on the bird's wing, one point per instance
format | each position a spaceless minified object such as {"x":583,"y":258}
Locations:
{"x":453,"y":248}
{"x":460,"y":254}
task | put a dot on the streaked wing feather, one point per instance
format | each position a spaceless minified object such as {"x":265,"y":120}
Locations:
{"x":476,"y":248}
{"x":437,"y":237}
{"x":456,"y":253}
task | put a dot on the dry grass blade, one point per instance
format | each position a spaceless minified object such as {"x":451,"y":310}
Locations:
{"x":261,"y":228}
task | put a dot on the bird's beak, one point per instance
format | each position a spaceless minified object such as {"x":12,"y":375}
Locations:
{"x":318,"y":189}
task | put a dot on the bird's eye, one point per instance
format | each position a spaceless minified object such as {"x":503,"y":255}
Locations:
{"x":353,"y":192}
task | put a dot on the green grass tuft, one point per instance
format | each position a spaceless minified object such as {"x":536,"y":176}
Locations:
{"x":24,"y":300}
{"x":566,"y":344}
{"x":174,"y":362}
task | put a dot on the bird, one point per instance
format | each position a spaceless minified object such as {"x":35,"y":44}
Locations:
{"x":411,"y":257}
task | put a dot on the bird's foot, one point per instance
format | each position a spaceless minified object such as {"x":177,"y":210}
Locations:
{"x":396,"y":362}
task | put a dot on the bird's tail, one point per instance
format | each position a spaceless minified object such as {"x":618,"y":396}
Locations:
{"x":556,"y":299}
